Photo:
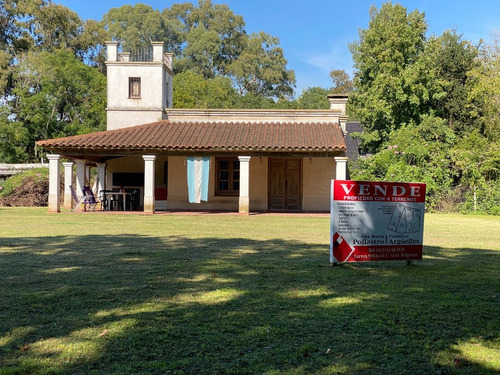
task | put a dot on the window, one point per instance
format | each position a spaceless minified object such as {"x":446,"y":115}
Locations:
{"x":134,"y":87}
{"x":227,"y":172}
{"x":128,"y":179}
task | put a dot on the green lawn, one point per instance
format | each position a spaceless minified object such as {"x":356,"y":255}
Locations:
{"x":218,"y":294}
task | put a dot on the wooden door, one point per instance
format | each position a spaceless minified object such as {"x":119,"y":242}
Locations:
{"x":285,"y":184}
{"x":293,"y":184}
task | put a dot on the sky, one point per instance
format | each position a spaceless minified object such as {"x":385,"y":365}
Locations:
{"x":315,"y":34}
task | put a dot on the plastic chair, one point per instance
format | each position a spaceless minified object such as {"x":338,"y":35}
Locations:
{"x":81,"y":200}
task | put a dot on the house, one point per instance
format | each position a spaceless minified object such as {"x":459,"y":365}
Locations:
{"x":254,"y":160}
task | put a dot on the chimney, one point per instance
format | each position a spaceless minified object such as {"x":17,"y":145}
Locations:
{"x":339,"y":102}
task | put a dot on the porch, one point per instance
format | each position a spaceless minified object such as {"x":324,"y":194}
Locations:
{"x":238,"y":184}
{"x":283,"y":166}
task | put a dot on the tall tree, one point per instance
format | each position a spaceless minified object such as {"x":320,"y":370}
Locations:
{"x":342,"y":84}
{"x":192,"y":90}
{"x":388,"y":94}
{"x":40,"y":25}
{"x":261,"y":68}
{"x":485,"y":89}
{"x":225,"y":29}
{"x":54,"y":95}
{"x":314,"y":98}
{"x":209,"y":40}
{"x":135,"y":26}
{"x":46,"y":89}
{"x":200,"y":54}
{"x":451,"y":59}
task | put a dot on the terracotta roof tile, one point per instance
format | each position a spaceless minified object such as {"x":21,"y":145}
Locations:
{"x":210,"y":136}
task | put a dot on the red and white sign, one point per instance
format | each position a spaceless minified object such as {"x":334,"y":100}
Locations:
{"x":376,"y":221}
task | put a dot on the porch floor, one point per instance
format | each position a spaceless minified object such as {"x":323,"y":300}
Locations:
{"x":211,"y":212}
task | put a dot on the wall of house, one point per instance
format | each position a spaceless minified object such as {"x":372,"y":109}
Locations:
{"x":258,"y":183}
{"x":178,"y":194}
{"x":178,"y":191}
{"x":152,"y":81}
{"x":123,"y":111}
{"x":129,"y":164}
{"x":118,"y":119}
{"x":316,"y":176}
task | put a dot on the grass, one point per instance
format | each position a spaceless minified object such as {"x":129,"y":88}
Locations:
{"x":133,"y":294}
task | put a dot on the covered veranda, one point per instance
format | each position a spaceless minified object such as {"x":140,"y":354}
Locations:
{"x":155,"y":154}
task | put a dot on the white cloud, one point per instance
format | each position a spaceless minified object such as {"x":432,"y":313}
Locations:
{"x":337,"y":56}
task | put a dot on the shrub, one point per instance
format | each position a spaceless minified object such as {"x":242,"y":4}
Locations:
{"x":415,"y":154}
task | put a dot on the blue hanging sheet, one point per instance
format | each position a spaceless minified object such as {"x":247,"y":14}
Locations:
{"x":198,"y":169}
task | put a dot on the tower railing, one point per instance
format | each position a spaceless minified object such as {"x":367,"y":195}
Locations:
{"x":138,"y":55}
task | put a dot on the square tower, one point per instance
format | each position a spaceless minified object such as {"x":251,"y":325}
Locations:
{"x":139,"y":85}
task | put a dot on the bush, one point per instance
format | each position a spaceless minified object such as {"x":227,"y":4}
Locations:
{"x":461,"y":173}
{"x":415,"y":154}
{"x":486,"y":199}
{"x":28,"y":189}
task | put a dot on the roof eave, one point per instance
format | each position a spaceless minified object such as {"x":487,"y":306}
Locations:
{"x":99,"y":153}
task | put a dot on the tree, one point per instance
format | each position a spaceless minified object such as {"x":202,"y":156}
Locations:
{"x":451,"y":58}
{"x":484,"y":92}
{"x":225,"y":29}
{"x":7,"y":24}
{"x":314,"y":98}
{"x":200,"y":53}
{"x":40,"y":25}
{"x":388,"y":93}
{"x":261,"y":68}
{"x":46,"y":89}
{"x":192,"y":90}
{"x":210,"y":40}
{"x":415,"y":153}
{"x":136,"y":26}
{"x":476,"y":161}
{"x":342,"y":84}
{"x":54,"y":95}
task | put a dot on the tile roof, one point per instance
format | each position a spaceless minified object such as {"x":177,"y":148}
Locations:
{"x":172,"y":136}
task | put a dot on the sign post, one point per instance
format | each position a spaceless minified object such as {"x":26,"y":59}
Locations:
{"x":372,"y":221}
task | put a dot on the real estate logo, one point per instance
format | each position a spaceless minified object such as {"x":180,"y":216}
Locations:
{"x":341,"y":249}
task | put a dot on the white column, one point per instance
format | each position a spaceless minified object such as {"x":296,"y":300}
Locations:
{"x":112,"y":49}
{"x":101,"y":172}
{"x":54,"y":183}
{"x":244,"y":202}
{"x":80,"y":176}
{"x":87,"y":175}
{"x":341,"y":167}
{"x":158,"y":49}
{"x":68,"y":181}
{"x":149,"y":183}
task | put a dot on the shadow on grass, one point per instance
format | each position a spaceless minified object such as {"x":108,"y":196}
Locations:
{"x":137,"y":304}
